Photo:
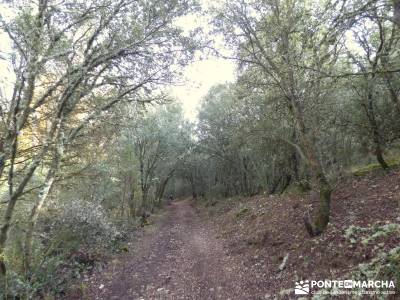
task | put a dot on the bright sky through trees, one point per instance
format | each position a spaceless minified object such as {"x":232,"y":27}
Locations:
{"x":200,"y":77}
{"x":202,"y":74}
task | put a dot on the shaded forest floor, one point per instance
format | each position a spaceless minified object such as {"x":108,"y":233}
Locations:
{"x":365,"y":225}
{"x":255,"y":248}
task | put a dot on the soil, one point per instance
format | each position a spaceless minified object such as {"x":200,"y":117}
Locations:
{"x":263,"y":230}
{"x":251,"y":248}
{"x":178,"y":257}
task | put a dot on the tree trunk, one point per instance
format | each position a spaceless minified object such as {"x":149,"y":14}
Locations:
{"x":321,"y":220}
{"x":33,"y":217}
{"x":10,"y":210}
{"x":131,"y":202}
{"x":144,"y":206}
{"x":275,"y":185}
{"x":286,"y":181}
{"x":123,"y":198}
{"x":375,"y":131}
{"x":163,"y":185}
{"x":294,"y":162}
{"x":379,"y":155}
{"x":392,"y":91}
{"x":161,"y":190}
{"x":193,"y":187}
{"x":396,"y":12}
{"x":48,"y":184}
{"x":144,"y":190}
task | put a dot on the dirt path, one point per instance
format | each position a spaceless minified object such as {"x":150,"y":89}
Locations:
{"x":180,"y":257}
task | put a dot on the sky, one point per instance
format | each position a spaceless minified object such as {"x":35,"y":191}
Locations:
{"x":201,"y":75}
{"x":6,"y":74}
{"x":198,"y":77}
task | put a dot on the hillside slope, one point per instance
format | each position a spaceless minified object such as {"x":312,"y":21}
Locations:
{"x":268,"y":234}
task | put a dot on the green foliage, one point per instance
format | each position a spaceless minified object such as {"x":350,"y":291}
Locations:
{"x":366,"y":235}
{"x":17,"y":286}
{"x":79,"y":224}
{"x":385,"y":267}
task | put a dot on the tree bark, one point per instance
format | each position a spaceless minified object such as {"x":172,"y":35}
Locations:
{"x":193,"y":186}
{"x":321,"y":220}
{"x":131,"y":202}
{"x":163,"y":185}
{"x":48,"y":184}
{"x":375,"y":131}
{"x":396,"y":12}
{"x":33,"y":217}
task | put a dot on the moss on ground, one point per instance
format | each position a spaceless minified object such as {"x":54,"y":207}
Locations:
{"x":365,"y":170}
{"x":242,"y":212}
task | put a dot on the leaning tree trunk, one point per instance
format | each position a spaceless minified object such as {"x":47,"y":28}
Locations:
{"x":10,"y":210}
{"x":379,"y":153}
{"x":48,"y":184}
{"x":33,"y":217}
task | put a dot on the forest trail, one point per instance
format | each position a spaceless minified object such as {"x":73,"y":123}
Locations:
{"x":179,"y":257}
